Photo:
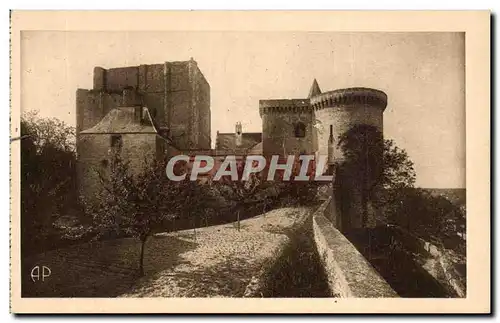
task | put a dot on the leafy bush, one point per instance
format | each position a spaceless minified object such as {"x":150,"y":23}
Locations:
{"x":47,"y":178}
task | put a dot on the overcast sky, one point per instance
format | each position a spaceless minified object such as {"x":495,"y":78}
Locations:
{"x":422,"y":74}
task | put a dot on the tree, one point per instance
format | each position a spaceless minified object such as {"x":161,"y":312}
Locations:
{"x":431,"y":217}
{"x":363,"y":147}
{"x":197,"y":200}
{"x":382,"y":170}
{"x":386,"y":176}
{"x":47,"y":176}
{"x":398,"y":174}
{"x":241,"y":193}
{"x":135,"y":205}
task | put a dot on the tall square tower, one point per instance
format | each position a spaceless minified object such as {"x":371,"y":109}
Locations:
{"x":176,"y":94}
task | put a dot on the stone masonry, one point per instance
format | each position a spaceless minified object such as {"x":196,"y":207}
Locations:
{"x":155,"y":111}
{"x":145,"y":113}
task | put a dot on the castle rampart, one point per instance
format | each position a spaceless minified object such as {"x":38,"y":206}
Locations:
{"x":350,"y":96}
{"x":284,"y":106}
{"x":342,"y":109}
{"x":287,"y":127}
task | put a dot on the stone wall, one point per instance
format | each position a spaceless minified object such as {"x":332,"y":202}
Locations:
{"x":122,"y":77}
{"x":95,"y":155}
{"x":347,"y":197}
{"x":344,"y":108}
{"x":92,"y":106}
{"x":349,"y":273}
{"x":152,"y":86}
{"x":342,"y":118}
{"x":279,"y":121}
{"x":201,"y":102}
{"x":176,"y":94}
{"x":187,"y":105}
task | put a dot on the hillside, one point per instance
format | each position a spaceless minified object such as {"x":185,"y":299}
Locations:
{"x":455,"y":195}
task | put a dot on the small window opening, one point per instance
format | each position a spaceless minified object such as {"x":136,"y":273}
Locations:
{"x":116,"y":141}
{"x":300,"y":130}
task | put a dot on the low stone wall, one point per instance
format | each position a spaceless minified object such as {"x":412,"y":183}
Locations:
{"x":349,"y":273}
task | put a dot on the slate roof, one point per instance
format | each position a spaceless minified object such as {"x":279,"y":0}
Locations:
{"x":227,"y":141}
{"x":256,"y":150}
{"x":315,"y":90}
{"x":122,"y":120}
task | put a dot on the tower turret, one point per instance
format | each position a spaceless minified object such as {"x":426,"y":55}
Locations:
{"x":315,"y":90}
{"x":345,"y":108}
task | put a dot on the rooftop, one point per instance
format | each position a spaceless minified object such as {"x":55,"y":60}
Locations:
{"x":124,"y":120}
{"x":227,"y":141}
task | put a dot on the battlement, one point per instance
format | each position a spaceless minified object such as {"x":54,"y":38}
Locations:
{"x":284,"y":106}
{"x":357,"y":95}
{"x":146,"y":78}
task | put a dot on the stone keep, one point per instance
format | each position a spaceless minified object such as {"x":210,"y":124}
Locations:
{"x":145,"y":113}
{"x":176,"y":94}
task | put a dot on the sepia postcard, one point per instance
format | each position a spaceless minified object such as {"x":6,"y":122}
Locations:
{"x":250,"y":162}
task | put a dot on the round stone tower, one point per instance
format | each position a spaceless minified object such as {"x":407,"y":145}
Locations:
{"x":339,"y":110}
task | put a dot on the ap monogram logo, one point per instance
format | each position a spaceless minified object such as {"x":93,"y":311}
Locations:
{"x":37,"y":274}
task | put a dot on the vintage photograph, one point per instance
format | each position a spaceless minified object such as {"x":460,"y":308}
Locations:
{"x":242,"y":164}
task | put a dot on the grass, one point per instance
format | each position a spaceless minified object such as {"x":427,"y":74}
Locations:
{"x":298,"y":272}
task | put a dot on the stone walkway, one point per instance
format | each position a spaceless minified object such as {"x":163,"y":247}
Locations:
{"x":224,"y":259}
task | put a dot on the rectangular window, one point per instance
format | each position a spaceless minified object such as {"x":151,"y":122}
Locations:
{"x":300,"y":130}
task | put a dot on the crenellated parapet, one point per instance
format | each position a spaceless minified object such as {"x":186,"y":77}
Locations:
{"x":349,"y":96}
{"x":284,"y":106}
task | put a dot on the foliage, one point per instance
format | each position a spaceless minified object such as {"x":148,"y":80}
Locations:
{"x":295,"y":193}
{"x":386,"y":177}
{"x":242,"y":193}
{"x":363,"y":148}
{"x":398,"y":175}
{"x":134,"y":204}
{"x":433,"y":218}
{"x":47,"y":176}
{"x":198,"y":201}
{"x":398,"y":169}
{"x":378,"y":167}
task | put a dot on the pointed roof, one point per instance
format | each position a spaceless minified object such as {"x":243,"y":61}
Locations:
{"x":315,"y":90}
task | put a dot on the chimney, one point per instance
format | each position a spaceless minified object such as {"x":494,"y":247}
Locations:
{"x":238,"y":135}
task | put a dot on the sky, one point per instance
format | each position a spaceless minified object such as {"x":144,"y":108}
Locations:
{"x":423,"y":75}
